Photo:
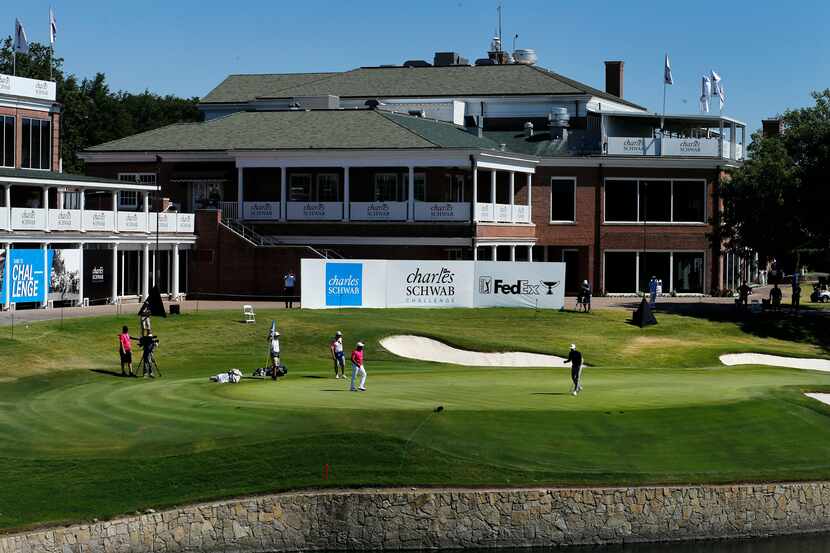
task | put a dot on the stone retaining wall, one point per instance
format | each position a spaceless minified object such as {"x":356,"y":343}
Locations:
{"x":450,"y":518}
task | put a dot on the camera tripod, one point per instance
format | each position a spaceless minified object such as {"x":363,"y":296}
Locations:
{"x":148,"y":365}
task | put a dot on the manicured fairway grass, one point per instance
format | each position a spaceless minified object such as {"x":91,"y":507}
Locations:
{"x":657,"y":407}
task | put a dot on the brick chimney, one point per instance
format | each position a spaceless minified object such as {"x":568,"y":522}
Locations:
{"x":772,"y":127}
{"x":614,"y":78}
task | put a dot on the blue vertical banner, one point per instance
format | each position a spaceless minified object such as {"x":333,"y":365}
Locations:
{"x":2,"y":276}
{"x":28,"y":280}
{"x":344,"y":284}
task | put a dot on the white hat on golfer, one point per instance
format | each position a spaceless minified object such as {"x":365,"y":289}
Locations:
{"x":573,"y":346}
{"x":360,"y":344}
{"x":338,"y":333}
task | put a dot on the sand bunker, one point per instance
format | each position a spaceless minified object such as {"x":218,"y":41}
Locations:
{"x":824,"y":398}
{"x":427,"y":349}
{"x":775,"y":361}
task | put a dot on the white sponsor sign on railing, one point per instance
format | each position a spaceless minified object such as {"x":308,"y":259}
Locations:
{"x":64,"y":219}
{"x":449,"y":211}
{"x":25,"y":218}
{"x":132,"y":221}
{"x":166,"y":222}
{"x":263,"y":211}
{"x":185,"y":222}
{"x":98,"y":220}
{"x":694,"y":147}
{"x":315,"y":211}
{"x":378,"y":211}
{"x":521,"y":214}
{"x":484,"y":212}
{"x":632,"y":146}
{"x":503,"y":213}
{"x":396,"y":283}
{"x":4,"y":218}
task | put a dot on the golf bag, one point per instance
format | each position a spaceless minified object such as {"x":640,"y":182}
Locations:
{"x":282,"y":370}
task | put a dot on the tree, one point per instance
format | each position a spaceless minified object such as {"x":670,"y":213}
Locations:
{"x":92,"y":113}
{"x":778,"y":202}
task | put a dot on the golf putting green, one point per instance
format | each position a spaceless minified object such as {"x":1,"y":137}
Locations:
{"x":78,"y":441}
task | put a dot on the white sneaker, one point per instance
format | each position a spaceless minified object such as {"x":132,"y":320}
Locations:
{"x":573,"y":393}
{"x":362,"y":389}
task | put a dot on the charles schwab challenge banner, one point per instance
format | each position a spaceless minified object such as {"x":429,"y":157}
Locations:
{"x":27,"y":276}
{"x":98,"y":275}
{"x":65,"y":276}
{"x":429,"y":283}
{"x":388,"y":283}
{"x":511,"y":284}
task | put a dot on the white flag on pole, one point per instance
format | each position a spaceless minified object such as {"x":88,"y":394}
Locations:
{"x":53,"y":27}
{"x":717,"y":89}
{"x":21,"y":43}
{"x":667,"y":76}
{"x":705,"y":94}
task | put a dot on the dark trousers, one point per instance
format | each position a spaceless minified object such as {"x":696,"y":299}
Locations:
{"x":576,"y":371}
{"x":289,"y":297}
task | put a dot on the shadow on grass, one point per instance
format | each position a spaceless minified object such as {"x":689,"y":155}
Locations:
{"x":550,"y":394}
{"x":113,"y":373}
{"x":808,"y":325}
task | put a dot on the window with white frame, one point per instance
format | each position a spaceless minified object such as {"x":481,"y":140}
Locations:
{"x":389,"y":187}
{"x":7,"y":141}
{"x":562,"y":200}
{"x":36,"y":142}
{"x":299,"y":187}
{"x":328,"y":187}
{"x":128,"y":199}
{"x":655,"y":200}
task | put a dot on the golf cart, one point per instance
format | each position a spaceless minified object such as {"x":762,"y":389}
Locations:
{"x":820,"y":292}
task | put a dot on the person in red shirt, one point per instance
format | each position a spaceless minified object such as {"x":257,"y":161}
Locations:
{"x":357,"y":368}
{"x":125,"y":348}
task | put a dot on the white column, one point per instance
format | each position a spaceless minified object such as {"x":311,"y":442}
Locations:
{"x":493,"y":193}
{"x":495,"y":251}
{"x":6,"y":274}
{"x":671,"y":272}
{"x":45,"y":301}
{"x":240,"y":193}
{"x":283,"y":194}
{"x":720,"y":138}
{"x":475,"y":252}
{"x":530,"y":254}
{"x":147,"y":211}
{"x":410,"y":206}
{"x":174,"y":288}
{"x":8,"y":188}
{"x":530,"y":197}
{"x":115,"y":273}
{"x":81,"y":280}
{"x":46,"y":207}
{"x":145,"y":271}
{"x":512,"y":196}
{"x":60,"y":198}
{"x":82,"y":205}
{"x":153,"y":267}
{"x":475,"y":194}
{"x":513,"y":252}
{"x":733,"y":137}
{"x":637,"y":272}
{"x":115,"y":211}
{"x":347,"y":205}
{"x":123,"y":270}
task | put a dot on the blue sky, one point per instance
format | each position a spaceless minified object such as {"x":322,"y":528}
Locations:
{"x":771,"y":54}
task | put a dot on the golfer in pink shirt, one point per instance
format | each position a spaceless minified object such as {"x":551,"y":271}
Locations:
{"x":357,"y":368}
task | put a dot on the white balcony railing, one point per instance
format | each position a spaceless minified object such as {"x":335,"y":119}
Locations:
{"x":25,"y":218}
{"x":315,"y":211}
{"x":669,"y":146}
{"x":484,"y":212}
{"x":521,"y":214}
{"x":449,"y":211}
{"x":503,"y":213}
{"x":378,"y":211}
{"x":69,"y":220}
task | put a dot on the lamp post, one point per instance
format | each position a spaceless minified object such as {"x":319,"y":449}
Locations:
{"x":645,"y":247}
{"x":156,"y":273}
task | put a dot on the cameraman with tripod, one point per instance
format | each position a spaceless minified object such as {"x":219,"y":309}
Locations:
{"x":148,"y":364}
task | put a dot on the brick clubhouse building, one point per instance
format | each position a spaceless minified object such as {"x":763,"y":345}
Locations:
{"x":442,"y":160}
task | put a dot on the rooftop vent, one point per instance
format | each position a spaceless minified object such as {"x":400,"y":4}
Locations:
{"x":525,"y":56}
{"x":485,"y":61}
{"x":417,"y":113}
{"x":528,"y":129}
{"x":416,"y":63}
{"x":559,"y":121}
{"x":371,"y":104}
{"x":444,"y":59}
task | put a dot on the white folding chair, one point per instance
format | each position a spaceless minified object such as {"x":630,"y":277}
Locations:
{"x":248,"y":313}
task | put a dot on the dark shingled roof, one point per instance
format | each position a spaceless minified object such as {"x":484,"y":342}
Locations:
{"x":402,"y":82}
{"x":301,"y":130}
